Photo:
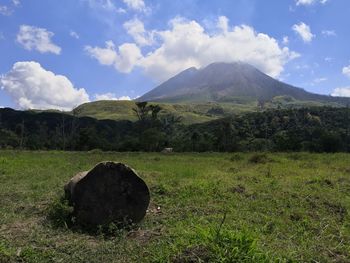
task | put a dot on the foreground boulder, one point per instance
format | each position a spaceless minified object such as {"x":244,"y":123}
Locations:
{"x":110,"y":192}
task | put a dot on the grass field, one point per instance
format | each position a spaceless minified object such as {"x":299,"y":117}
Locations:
{"x":204,"y":208}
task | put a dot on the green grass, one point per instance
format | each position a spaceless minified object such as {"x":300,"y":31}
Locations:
{"x":122,"y":110}
{"x":189,"y":112}
{"x":211,"y":207}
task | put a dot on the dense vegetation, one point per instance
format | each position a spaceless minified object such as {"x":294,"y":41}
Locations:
{"x":205,"y":207}
{"x":318,"y":129}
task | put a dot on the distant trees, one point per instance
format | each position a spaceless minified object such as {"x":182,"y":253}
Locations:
{"x":151,"y":129}
{"x":141,"y":110}
{"x":322,"y":129}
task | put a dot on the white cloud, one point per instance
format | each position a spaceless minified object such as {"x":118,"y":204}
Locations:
{"x":310,"y":2}
{"x":187,"y":44}
{"x":137,"y":5}
{"x":16,"y":2}
{"x":74,"y":34}
{"x":303,"y":31}
{"x":33,"y":87}
{"x":341,"y":92}
{"x":110,"y":96}
{"x":5,"y":10}
{"x":328,"y":59}
{"x":124,"y":58}
{"x":346,"y":71}
{"x":105,"y":56}
{"x":285,"y":40}
{"x":223,"y":24}
{"x":136,"y":29}
{"x":37,"y":38}
{"x":329,"y":33}
{"x":121,"y":10}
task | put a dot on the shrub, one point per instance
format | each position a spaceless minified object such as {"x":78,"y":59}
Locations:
{"x":60,"y":213}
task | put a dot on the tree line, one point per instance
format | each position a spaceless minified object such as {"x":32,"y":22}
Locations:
{"x":318,"y":129}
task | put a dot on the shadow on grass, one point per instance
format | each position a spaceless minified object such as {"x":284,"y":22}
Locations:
{"x":60,"y":215}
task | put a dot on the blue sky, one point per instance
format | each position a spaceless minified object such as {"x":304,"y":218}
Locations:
{"x":58,"y":54}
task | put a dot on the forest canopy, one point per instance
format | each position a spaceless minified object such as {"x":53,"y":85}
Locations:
{"x":319,"y":129}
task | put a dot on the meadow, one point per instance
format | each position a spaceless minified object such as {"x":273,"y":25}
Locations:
{"x":205,"y":207}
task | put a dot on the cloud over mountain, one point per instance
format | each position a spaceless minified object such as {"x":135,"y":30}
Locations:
{"x":186,"y":43}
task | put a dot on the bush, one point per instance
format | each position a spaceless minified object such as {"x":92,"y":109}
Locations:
{"x":60,"y":213}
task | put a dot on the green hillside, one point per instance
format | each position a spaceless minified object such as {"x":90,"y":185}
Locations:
{"x":190,"y":112}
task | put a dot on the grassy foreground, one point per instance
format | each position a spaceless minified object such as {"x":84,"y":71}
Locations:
{"x":204,"y":208}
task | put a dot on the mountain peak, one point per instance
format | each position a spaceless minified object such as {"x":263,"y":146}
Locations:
{"x":222,"y":81}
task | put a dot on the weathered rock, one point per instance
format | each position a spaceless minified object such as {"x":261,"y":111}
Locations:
{"x":110,"y":192}
{"x":167,"y":150}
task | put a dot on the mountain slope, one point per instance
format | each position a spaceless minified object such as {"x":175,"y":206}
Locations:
{"x":123,"y":110}
{"x":228,"y":81}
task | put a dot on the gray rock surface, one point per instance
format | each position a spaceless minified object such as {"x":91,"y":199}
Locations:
{"x":110,"y":192}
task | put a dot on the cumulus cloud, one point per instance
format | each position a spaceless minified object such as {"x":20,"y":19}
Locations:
{"x":285,"y":40}
{"x":341,"y":92}
{"x":303,"y":31}
{"x":187,"y":44}
{"x":310,"y":2}
{"x":33,"y":87}
{"x":136,"y":29}
{"x":16,"y":2}
{"x":223,"y":24}
{"x":36,"y":38}
{"x":110,"y":96}
{"x":74,"y":34}
{"x":121,"y":10}
{"x":137,"y":5}
{"x":346,"y":71}
{"x":122,"y":58}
